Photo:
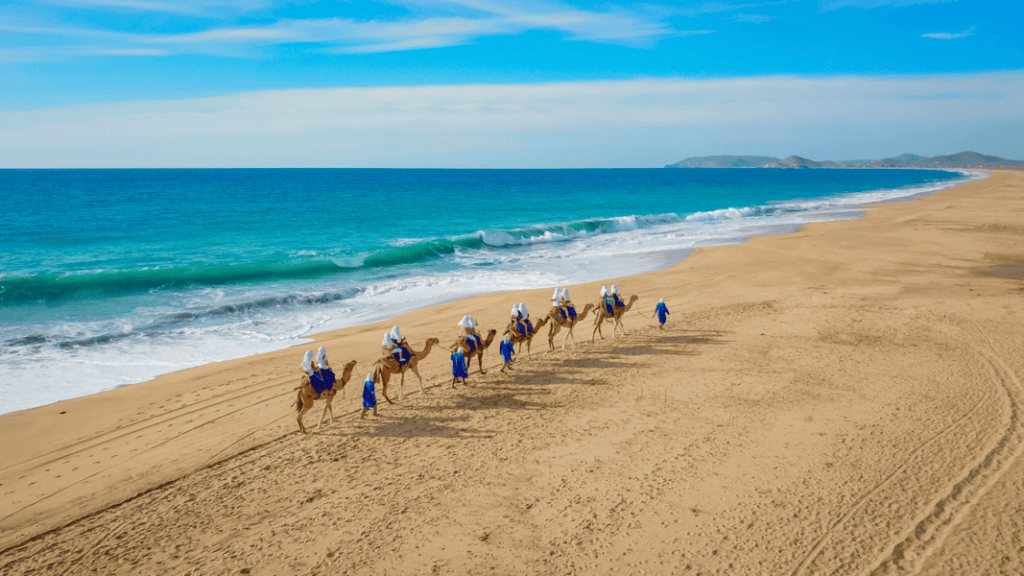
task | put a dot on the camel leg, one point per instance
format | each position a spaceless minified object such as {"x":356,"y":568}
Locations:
{"x":401,"y":386}
{"x":416,"y":371}
{"x":528,"y":348}
{"x":597,"y":329}
{"x":479,"y":361}
{"x":306,"y":405}
{"x":327,"y":407}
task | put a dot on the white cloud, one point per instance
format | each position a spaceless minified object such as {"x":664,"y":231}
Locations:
{"x":610,"y":25}
{"x":623,"y":123}
{"x":828,"y":5}
{"x":191,"y":7}
{"x":947,"y":36}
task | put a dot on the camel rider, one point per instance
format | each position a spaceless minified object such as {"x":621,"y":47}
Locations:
{"x":566,"y":304}
{"x":326,"y":374}
{"x":313,"y":372}
{"x":516,"y":325}
{"x":402,"y":349}
{"x":615,"y":294}
{"x":609,"y":304}
{"x":526,"y":318}
{"x":468,"y":326}
{"x":393,"y":350}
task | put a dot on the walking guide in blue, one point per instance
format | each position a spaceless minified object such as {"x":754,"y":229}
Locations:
{"x":662,"y":311}
{"x":507,"y":350}
{"x":369,"y":396}
{"x":459,"y":366}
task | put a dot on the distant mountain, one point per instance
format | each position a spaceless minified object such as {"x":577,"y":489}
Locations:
{"x":961,"y":160}
{"x":724,"y":162}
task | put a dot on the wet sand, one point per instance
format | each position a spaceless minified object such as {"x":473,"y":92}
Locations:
{"x":841,"y":400}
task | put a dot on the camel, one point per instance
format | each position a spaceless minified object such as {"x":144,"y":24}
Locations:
{"x":384,"y":368}
{"x":617,"y":317}
{"x":307,"y":395}
{"x":557,"y":322}
{"x":518,"y":338}
{"x":478,"y":351}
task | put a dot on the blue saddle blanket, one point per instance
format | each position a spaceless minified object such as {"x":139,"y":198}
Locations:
{"x":323,"y":381}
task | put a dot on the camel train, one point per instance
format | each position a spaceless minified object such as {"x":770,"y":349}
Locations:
{"x":398,"y":357}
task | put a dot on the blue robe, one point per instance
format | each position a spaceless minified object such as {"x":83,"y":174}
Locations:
{"x":662,"y":311}
{"x":521,"y":328}
{"x":459,"y":366}
{"x":402,"y":355}
{"x":369,"y":394}
{"x":617,"y":301}
{"x":608,"y":307}
{"x":317,"y":382}
{"x":572,"y":311}
{"x":507,"y":350}
{"x":529,"y":326}
{"x":323,"y":382}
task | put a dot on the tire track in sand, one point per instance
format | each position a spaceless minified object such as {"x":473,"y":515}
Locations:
{"x":909,"y":553}
{"x":819,"y":544}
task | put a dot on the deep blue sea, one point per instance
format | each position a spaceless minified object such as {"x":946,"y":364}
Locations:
{"x":117,"y":276}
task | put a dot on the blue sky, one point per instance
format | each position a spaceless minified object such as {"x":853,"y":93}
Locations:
{"x":510,"y":84}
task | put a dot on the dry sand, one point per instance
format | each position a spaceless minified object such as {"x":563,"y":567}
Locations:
{"x":842,"y":400}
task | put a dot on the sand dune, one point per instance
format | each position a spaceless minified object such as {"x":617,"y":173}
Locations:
{"x":842,"y":400}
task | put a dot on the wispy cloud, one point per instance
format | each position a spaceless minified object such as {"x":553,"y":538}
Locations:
{"x":614,"y":25}
{"x":948,"y":36}
{"x":556,"y":124}
{"x":829,"y":5}
{"x":190,"y":7}
{"x":753,"y":18}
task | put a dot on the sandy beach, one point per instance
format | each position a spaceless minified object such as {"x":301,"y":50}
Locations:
{"x":841,"y":400}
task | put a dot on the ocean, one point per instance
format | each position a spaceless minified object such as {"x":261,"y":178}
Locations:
{"x":113,"y":277}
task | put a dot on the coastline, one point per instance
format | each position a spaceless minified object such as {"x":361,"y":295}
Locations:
{"x":79,"y":457}
{"x":172,"y":331}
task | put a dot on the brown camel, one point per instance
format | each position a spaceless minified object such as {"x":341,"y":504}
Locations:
{"x":307,"y":395}
{"x":616,"y":317}
{"x":385,"y":367}
{"x":518,"y":338}
{"x":478,"y":351}
{"x":557,"y":323}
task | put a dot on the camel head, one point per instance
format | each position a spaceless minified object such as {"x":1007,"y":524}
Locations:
{"x":347,"y":372}
{"x":490,"y":337}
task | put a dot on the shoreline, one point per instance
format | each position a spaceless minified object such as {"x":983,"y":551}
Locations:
{"x":82,"y":456}
{"x":630,"y":265}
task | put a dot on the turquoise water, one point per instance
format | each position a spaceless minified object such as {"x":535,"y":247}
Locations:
{"x":121,"y":275}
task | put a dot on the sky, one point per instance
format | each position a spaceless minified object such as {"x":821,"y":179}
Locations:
{"x":512,"y":84}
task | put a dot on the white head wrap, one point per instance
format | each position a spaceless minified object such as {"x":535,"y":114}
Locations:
{"x":466,"y":322}
{"x":555,"y":295}
{"x":387,"y":340}
{"x":307,"y":362}
{"x":321,"y":357}
{"x":369,"y":377}
{"x":396,"y":335}
{"x":660,"y":301}
{"x":515,"y":310}
{"x":615,"y":289}
{"x":522,"y":308}
{"x":472,"y":322}
{"x":508,"y":337}
{"x":604,"y":290}
{"x":565,"y":293}
{"x":462,"y":350}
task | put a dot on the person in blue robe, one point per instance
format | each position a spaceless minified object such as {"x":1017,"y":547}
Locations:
{"x":615,"y":294}
{"x":606,"y":297}
{"x":315,"y":379}
{"x":327,"y":377}
{"x":662,"y":311}
{"x":459,"y":367}
{"x":517,"y":320}
{"x":507,"y":350}
{"x":369,"y":396}
{"x":524,"y":314}
{"x":567,"y":303}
